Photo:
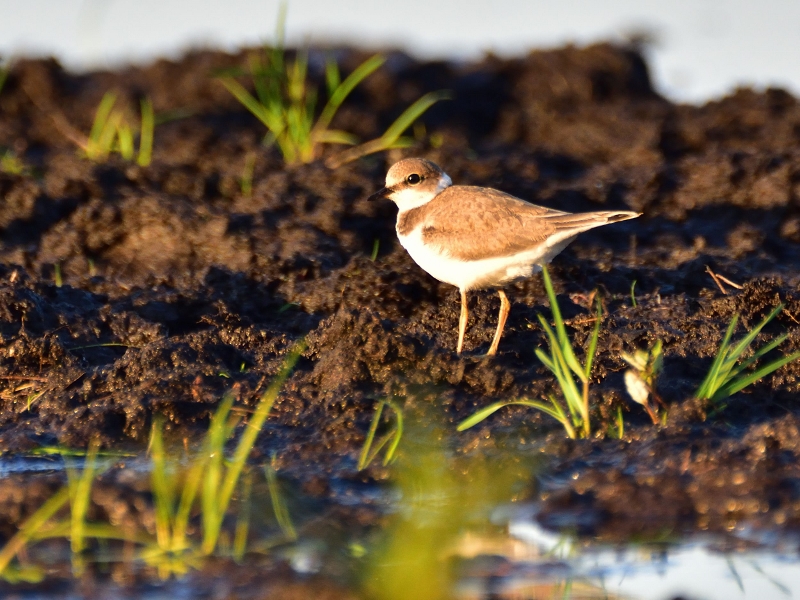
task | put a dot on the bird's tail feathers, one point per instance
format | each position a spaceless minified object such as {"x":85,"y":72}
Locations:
{"x":583,"y":221}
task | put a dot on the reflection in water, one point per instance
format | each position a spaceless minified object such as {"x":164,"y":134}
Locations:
{"x":695,"y":568}
{"x":444,"y":504}
{"x":447,"y":526}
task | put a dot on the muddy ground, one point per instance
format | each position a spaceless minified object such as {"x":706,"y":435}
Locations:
{"x":177,"y":286}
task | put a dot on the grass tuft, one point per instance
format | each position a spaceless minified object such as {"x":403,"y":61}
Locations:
{"x":564,"y":364}
{"x":392,"y":437}
{"x":285,"y":102}
{"x":112,"y":132}
{"x":726,"y":377}
{"x":210,"y":477}
{"x":229,"y":474}
{"x":209,"y":480}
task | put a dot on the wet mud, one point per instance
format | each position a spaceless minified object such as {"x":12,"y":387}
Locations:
{"x":128,"y":292}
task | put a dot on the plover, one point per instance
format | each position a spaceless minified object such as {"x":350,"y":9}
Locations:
{"x":475,"y":237}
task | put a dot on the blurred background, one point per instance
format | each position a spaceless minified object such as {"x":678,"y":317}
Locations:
{"x":697,"y":49}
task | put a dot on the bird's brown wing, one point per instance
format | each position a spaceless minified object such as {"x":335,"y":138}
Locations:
{"x":471,"y":223}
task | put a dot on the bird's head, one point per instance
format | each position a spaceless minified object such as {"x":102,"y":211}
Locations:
{"x":413,"y":182}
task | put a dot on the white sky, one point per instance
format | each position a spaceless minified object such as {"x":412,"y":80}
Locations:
{"x":704,"y":49}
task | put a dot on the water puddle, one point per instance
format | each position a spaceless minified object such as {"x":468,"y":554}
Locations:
{"x":443,"y":525}
{"x":739,"y":566}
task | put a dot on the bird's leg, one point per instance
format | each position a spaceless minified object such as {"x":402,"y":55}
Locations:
{"x":505,"y":306}
{"x":462,"y":321}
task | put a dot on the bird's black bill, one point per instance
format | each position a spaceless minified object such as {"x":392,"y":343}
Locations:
{"x":380,"y":194}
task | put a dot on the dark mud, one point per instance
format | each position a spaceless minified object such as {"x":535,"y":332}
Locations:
{"x":177,"y":287}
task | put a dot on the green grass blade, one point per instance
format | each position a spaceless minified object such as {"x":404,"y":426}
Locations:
{"x":555,"y":350}
{"x":554,"y":308}
{"x":336,"y":136}
{"x":101,"y":117}
{"x":280,"y":25}
{"x":332,"y":75}
{"x":80,"y":499}
{"x":277,"y":63}
{"x":296,"y":82}
{"x":742,"y":382}
{"x":403,"y":141}
{"x":562,"y":372}
{"x":294,"y":127}
{"x":125,"y":140}
{"x":745,"y":342}
{"x":571,"y":361}
{"x":554,"y":411}
{"x":146,"y":133}
{"x":392,"y":134}
{"x":590,"y":354}
{"x":558,"y":365}
{"x":558,"y":414}
{"x":287,"y":146}
{"x":710,"y":383}
{"x":32,"y":526}
{"x":243,"y":519}
{"x":578,"y":411}
{"x":395,"y":436}
{"x":214,"y":450}
{"x":270,"y":120}
{"x":343,"y":90}
{"x":411,"y":114}
{"x":757,"y":355}
{"x":248,"y":439}
{"x":378,"y":446}
{"x":261,"y":80}
{"x":546,"y":361}
{"x":279,"y":507}
{"x":487,"y":411}
{"x":364,"y":458}
{"x":246,"y":182}
{"x":105,"y":141}
{"x":191,"y":487}
{"x":481,"y":415}
{"x":398,"y":434}
{"x":162,"y":490}
{"x":563,"y":339}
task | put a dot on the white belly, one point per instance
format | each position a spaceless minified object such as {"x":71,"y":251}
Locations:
{"x":476,"y":274}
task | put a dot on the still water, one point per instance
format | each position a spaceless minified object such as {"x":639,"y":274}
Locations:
{"x":440,"y":525}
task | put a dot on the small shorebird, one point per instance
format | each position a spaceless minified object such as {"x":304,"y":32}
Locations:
{"x":475,"y":237}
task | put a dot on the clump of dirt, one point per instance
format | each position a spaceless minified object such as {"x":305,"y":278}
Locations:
{"x":129,"y":291}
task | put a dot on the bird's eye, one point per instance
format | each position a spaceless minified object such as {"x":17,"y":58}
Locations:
{"x":413,"y":179}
